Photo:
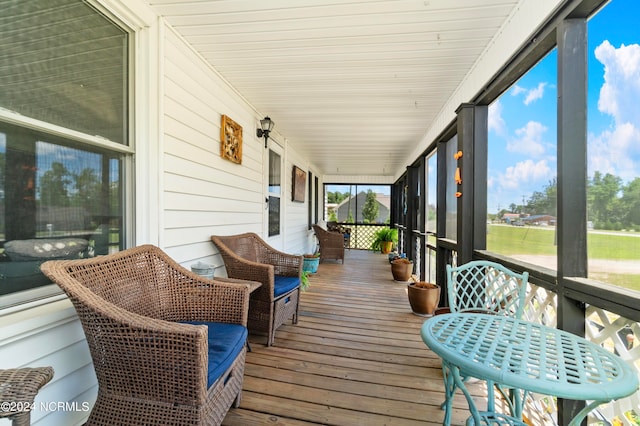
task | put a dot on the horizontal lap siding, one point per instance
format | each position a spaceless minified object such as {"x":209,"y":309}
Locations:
{"x":204,"y":194}
{"x":298,"y":238}
{"x":51,"y":335}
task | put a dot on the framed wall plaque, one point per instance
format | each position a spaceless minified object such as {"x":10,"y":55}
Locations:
{"x":298,"y":182}
{"x":230,"y":140}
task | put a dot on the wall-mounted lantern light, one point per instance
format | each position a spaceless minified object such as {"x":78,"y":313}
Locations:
{"x":266,"y":125}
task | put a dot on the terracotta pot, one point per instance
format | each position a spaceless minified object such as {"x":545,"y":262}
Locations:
{"x":401,"y":269}
{"x":423,"y":298}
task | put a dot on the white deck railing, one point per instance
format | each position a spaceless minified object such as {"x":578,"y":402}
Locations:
{"x":609,"y":330}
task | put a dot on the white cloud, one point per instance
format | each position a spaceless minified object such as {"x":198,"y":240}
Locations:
{"x":617,"y":150}
{"x":525,"y":172}
{"x":490,"y":181}
{"x":495,"y":121}
{"x":517,"y":90}
{"x":535,"y":94}
{"x":530,"y":95}
{"x":621,"y":89}
{"x":529,"y":140}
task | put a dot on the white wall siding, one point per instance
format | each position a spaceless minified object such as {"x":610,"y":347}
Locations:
{"x":51,"y":335}
{"x":298,"y":237}
{"x":205,"y":194}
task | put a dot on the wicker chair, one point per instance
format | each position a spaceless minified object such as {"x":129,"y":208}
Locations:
{"x":247,"y":256}
{"x":333,"y":226}
{"x":18,"y":389}
{"x":331,"y":244}
{"x":168,"y":346}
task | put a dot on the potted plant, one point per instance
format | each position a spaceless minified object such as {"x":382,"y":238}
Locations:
{"x":401,"y":269}
{"x":384,"y":239}
{"x":304,"y":280}
{"x":310,"y":262}
{"x":423,"y":297}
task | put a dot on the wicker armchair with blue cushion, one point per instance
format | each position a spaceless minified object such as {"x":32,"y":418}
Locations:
{"x":168,"y":346}
{"x":248,"y":257}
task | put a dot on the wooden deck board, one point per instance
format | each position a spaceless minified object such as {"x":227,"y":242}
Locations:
{"x":354,"y":358}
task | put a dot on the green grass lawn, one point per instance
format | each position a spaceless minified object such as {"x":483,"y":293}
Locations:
{"x":520,"y":240}
{"x":513,"y":240}
{"x":541,"y":241}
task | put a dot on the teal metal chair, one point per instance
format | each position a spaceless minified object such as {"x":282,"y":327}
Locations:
{"x":482,"y":286}
{"x":489,"y":287}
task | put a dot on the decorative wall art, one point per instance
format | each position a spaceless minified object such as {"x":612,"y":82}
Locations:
{"x":230,"y":140}
{"x":298,"y":181}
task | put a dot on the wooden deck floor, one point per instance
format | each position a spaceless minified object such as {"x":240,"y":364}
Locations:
{"x":354,"y":358}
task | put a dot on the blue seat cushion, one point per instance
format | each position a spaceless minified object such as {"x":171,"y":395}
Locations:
{"x":225,"y":343}
{"x":284,"y":285}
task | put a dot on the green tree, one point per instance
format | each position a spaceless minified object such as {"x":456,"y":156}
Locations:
{"x":544,"y":202}
{"x":336,"y":197}
{"x":53,"y":186}
{"x":88,"y":187}
{"x":602,"y":200}
{"x":630,"y":204}
{"x":371,"y":207}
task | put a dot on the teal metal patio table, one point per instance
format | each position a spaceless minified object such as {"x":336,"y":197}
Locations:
{"x":524,"y":357}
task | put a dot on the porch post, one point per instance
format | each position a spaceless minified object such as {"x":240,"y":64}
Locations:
{"x":472,"y":164}
{"x":413,"y":213}
{"x":572,"y":180}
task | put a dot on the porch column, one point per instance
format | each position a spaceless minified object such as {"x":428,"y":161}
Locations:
{"x":572,"y":179}
{"x":472,"y":164}
{"x":413,"y":220}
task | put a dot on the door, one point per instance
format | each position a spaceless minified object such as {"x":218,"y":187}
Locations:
{"x":273,"y":199}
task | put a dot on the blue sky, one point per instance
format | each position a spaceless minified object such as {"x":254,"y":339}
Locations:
{"x":522,"y":122}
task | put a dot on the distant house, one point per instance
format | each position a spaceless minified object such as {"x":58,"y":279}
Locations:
{"x":510,"y":217}
{"x":526,"y":219}
{"x":358,"y":202}
{"x":540,"y":220}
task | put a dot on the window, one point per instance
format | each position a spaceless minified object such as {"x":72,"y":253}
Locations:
{"x":68,"y":69}
{"x":522,"y":169}
{"x":313,"y":199}
{"x":613,"y":156}
{"x":275,"y":191}
{"x":310,"y":205}
{"x":63,"y":105}
{"x":316,"y":200}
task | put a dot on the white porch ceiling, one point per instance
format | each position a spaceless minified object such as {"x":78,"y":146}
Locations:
{"x":353,"y":85}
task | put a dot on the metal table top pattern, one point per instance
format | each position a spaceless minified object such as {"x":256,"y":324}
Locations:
{"x":530,"y":356}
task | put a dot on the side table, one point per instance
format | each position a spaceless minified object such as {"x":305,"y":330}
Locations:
{"x":18,"y":389}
